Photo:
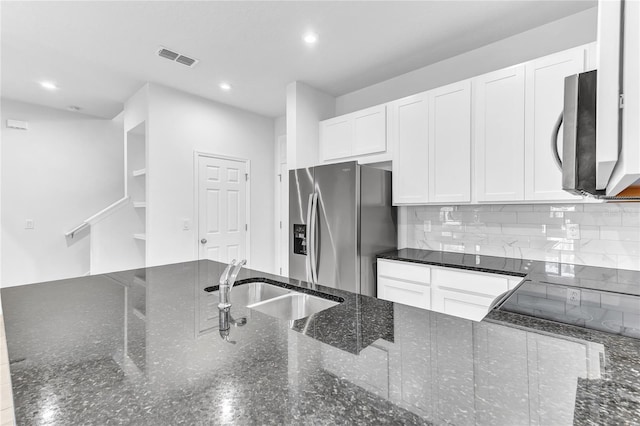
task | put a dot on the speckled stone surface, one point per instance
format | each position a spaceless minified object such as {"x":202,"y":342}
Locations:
{"x":591,"y":277}
{"x":143,"y":347}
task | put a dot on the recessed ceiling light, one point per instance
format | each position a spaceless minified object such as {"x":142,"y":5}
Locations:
{"x":48,"y":85}
{"x":225,"y":86}
{"x":310,"y":38}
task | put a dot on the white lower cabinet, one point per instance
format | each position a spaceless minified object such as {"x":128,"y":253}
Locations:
{"x":407,"y":293}
{"x":456,"y":292}
{"x":405,"y":283}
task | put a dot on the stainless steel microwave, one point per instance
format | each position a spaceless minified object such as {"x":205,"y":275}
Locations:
{"x":579,"y":154}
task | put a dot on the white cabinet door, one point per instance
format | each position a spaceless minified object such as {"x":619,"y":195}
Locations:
{"x":627,"y":170}
{"x":450,"y":143}
{"x":544,"y":104}
{"x":498,"y":128}
{"x":336,"y":138}
{"x":407,"y":293}
{"x":409,"y":135}
{"x":370,"y":130}
{"x":470,"y":306}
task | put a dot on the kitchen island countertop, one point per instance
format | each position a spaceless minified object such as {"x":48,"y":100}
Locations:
{"x":143,"y":347}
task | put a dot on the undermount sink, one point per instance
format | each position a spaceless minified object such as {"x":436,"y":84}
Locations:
{"x":277,"y":301}
{"x":293,"y":306}
{"x":254,"y":292}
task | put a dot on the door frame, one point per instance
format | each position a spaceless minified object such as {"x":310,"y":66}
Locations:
{"x":196,"y":199}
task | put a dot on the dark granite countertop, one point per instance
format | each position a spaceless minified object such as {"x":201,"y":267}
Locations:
{"x":142,"y":347}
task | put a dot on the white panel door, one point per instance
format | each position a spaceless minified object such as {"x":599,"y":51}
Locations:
{"x":222,"y":194}
{"x":336,"y":137}
{"x":370,"y":130}
{"x":409,"y":135}
{"x":450,"y":143}
{"x":544,"y":104}
{"x":499,"y":135}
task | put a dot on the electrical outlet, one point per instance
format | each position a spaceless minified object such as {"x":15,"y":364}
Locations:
{"x":426,"y":226}
{"x":573,"y":296}
{"x":573,"y":231}
{"x":29,"y":224}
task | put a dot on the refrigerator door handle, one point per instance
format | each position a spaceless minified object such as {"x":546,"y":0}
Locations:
{"x":308,"y":239}
{"x":313,"y":249}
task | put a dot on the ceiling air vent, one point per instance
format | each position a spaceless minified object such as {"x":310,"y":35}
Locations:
{"x":176,"y":57}
{"x":184,"y":60}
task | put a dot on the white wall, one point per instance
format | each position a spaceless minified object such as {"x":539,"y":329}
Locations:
{"x":281,"y":205}
{"x":562,"y":34}
{"x":306,"y":107}
{"x":62,"y":170}
{"x":180,"y":124}
{"x":280,"y":126}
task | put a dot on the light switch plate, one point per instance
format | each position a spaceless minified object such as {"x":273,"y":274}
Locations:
{"x":426,"y":226}
{"x":186,"y":224}
{"x":573,"y":296}
{"x":29,"y":224}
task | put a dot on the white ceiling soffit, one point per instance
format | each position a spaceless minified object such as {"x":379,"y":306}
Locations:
{"x":100,"y":52}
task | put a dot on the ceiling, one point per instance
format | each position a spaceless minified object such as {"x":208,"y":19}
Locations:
{"x":100,"y":52}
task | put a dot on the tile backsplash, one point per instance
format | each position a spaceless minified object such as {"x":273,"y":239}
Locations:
{"x":606,"y":234}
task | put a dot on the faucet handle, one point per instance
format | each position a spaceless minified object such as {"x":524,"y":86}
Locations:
{"x":225,"y":275}
{"x":236,"y":270}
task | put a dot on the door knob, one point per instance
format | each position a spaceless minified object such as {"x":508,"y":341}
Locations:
{"x":203,"y":241}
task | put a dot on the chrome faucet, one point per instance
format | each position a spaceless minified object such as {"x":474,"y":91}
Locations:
{"x":227,"y":280}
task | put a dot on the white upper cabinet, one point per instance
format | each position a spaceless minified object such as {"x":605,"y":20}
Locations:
{"x":370,"y":130}
{"x":484,"y":140}
{"x":409,"y":135}
{"x":336,"y":137}
{"x":498,"y":128}
{"x":544,"y":102}
{"x":450,"y":143}
{"x":627,"y":171}
{"x":357,"y":134}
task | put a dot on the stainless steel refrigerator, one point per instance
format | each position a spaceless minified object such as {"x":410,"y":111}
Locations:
{"x":340,"y":217}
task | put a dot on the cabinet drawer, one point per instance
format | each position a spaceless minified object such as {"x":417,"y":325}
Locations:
{"x":404,"y":271}
{"x":403,"y":292}
{"x":475,"y":282}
